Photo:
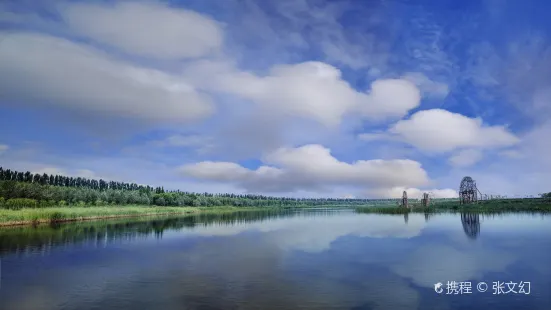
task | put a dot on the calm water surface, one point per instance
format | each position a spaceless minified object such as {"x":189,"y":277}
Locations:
{"x":294,"y":260}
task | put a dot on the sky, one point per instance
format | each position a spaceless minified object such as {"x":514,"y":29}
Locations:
{"x":284,"y":98}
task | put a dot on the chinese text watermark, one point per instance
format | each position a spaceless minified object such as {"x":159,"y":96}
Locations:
{"x":497,"y":287}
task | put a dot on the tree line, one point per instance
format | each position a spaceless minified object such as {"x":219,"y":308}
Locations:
{"x":26,"y":189}
{"x":60,"y":180}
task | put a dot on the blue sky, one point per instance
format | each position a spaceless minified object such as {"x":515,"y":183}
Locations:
{"x":298,"y":98}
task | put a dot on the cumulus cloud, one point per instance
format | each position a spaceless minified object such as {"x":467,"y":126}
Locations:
{"x":415,"y":193}
{"x":310,"y":89}
{"x":466,"y":158}
{"x":428,"y":87}
{"x":3,"y":148}
{"x":390,"y":97}
{"x":147,"y":29}
{"x":438,"y":130}
{"x":40,"y":69}
{"x":309,"y":167}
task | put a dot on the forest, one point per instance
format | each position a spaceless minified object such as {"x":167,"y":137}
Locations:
{"x":28,"y":190}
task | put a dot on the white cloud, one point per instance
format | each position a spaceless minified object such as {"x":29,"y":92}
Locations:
{"x":428,"y":87}
{"x":147,"y":29}
{"x":466,"y":158}
{"x":415,"y":193}
{"x":438,"y":130}
{"x":310,"y":167}
{"x":3,"y":148}
{"x":390,"y":98}
{"x":311,"y":89}
{"x":39,"y":69}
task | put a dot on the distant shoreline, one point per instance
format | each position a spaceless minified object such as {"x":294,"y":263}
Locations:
{"x":540,"y":205}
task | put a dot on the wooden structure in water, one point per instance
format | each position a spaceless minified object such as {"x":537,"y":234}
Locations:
{"x":405,"y":200}
{"x":468,"y":192}
{"x":426,"y":200}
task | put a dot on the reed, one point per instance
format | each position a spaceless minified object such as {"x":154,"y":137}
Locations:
{"x":23,"y":216}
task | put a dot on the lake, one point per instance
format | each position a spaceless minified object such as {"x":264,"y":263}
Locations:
{"x":312,"y":259}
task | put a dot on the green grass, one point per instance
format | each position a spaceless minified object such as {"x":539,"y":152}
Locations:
{"x":62,"y":214}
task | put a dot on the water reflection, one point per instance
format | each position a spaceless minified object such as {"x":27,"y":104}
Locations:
{"x":471,"y":224}
{"x":28,"y":239}
{"x":303,"y":234}
{"x":308,"y":260}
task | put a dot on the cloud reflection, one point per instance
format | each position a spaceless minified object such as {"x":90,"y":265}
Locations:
{"x":315,"y":234}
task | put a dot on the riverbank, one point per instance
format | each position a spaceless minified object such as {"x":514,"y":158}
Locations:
{"x":34,"y":216}
{"x":60,"y":214}
{"x":537,"y":205}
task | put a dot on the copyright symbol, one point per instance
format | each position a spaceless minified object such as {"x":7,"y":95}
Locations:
{"x":482,"y":287}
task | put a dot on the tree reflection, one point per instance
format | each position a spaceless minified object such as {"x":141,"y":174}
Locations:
{"x":471,"y":224}
{"x":428,"y":215}
{"x":99,"y":233}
